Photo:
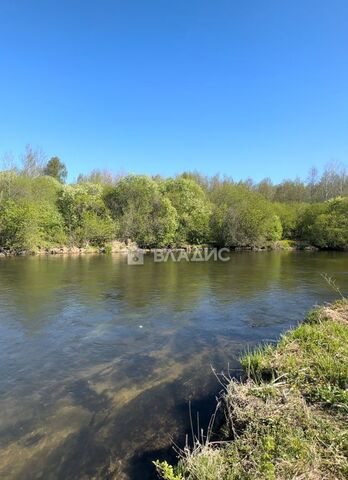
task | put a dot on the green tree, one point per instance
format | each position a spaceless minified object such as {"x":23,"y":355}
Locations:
{"x":325,"y":225}
{"x":289,"y":214}
{"x":142,"y":211}
{"x":242,"y":217}
{"x":50,"y":224}
{"x":56,"y":168}
{"x":193,"y":208}
{"x":29,"y":226}
{"x":266,"y":188}
{"x":85,"y":215}
{"x":291,"y":191}
{"x":18,"y":226}
{"x":21,"y":187}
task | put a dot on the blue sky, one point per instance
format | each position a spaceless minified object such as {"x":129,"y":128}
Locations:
{"x":249,"y":88}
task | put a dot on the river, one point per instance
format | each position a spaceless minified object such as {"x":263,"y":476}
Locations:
{"x":100,"y":359}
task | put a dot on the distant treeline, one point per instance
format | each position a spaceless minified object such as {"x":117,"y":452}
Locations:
{"x":38,"y":210}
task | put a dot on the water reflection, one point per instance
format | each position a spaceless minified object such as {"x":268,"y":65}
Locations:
{"x":99,"y":359}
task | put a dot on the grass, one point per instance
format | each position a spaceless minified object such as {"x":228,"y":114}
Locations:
{"x":288,"y":419}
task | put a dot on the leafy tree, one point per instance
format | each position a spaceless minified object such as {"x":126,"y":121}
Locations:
{"x":15,"y":186}
{"x":8,"y":185}
{"x":37,"y":211}
{"x":288,"y":214}
{"x":291,"y":191}
{"x":50,"y":224}
{"x":18,"y":226}
{"x":326,"y":225}
{"x":85,"y":215}
{"x":197,"y":177}
{"x":306,"y":219}
{"x":193,"y":208}
{"x":266,"y":188}
{"x":242,"y":217}
{"x":44,"y":189}
{"x":28,"y":226}
{"x":142,"y":211}
{"x":56,"y":169}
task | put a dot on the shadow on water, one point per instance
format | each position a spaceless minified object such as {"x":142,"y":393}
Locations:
{"x":139,"y":466}
{"x":123,"y":445}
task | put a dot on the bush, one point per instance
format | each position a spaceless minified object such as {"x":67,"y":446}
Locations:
{"x":142,"y":211}
{"x":28,"y":226}
{"x":193,"y":209}
{"x":325,"y":225}
{"x":94,"y":229}
{"x":242,"y":217}
{"x":288,"y":214}
{"x":189,"y":209}
{"x":85,"y":215}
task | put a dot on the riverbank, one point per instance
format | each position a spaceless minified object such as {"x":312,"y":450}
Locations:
{"x":288,"y":418}
{"x":123,"y":247}
{"x":114,"y":247}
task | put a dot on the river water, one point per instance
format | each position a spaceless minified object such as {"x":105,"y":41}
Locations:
{"x":99,"y":359}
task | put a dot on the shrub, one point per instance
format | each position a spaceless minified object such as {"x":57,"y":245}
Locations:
{"x":193,"y":209}
{"x":242,"y":217}
{"x":28,"y":226}
{"x":142,"y":211}
{"x":325,"y":225}
{"x":85,"y":215}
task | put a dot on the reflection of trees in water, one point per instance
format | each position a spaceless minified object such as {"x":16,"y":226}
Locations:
{"x":38,"y":289}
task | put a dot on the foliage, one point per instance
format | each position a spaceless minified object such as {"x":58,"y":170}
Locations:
{"x":50,"y":224}
{"x":29,"y":226}
{"x":56,"y":169}
{"x":85,"y":215}
{"x":193,"y":209}
{"x":144,"y":214}
{"x":288,"y":214}
{"x":167,"y":471}
{"x":242,"y":217}
{"x":332,"y":183}
{"x":94,"y":229}
{"x":266,"y":188}
{"x":325,"y":225}
{"x":18,"y":226}
{"x":20,"y":187}
{"x":291,"y":191}
{"x":188,"y":209}
{"x":101,"y":177}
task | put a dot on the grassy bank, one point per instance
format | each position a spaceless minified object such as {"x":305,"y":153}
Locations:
{"x":288,"y":419}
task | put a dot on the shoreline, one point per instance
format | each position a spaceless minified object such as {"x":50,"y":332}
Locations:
{"x":287,"y":418}
{"x":122,"y":247}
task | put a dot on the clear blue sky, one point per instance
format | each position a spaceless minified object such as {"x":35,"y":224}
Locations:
{"x":247,"y":88}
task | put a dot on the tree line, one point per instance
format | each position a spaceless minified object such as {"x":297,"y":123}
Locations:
{"x":38,"y":210}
